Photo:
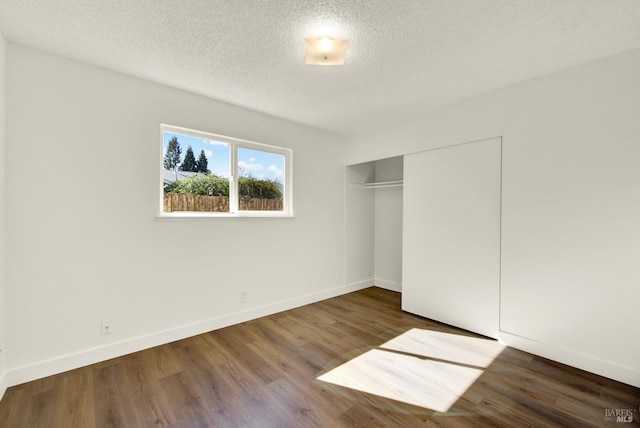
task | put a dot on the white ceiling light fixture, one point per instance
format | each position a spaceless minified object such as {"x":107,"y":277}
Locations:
{"x":325,"y":51}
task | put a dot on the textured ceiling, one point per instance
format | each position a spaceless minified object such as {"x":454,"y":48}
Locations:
{"x":404,"y":57}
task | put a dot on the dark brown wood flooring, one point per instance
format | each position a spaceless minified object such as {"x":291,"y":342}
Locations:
{"x":263,"y":373}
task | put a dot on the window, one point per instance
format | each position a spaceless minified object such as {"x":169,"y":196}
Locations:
{"x":212,"y":175}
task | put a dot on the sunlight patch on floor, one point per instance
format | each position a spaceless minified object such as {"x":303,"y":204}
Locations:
{"x":472,"y":351}
{"x":435,"y":376}
{"x":431,"y":384}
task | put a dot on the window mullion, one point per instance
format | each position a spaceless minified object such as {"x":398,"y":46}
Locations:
{"x":233,"y":180}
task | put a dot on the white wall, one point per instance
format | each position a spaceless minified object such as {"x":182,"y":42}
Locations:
{"x":360,"y":225}
{"x":83,"y":243}
{"x":388,"y":225}
{"x":570,"y":206}
{"x":3,"y":56}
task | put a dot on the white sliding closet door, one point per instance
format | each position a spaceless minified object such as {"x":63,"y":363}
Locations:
{"x":451,"y":235}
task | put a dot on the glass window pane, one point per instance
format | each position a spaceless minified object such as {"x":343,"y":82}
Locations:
{"x":195,"y":174}
{"x":260,"y":180}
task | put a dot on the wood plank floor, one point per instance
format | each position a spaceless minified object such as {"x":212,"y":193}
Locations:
{"x":263,"y":373}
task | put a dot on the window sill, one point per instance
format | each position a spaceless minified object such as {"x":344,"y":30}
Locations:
{"x":209,"y":216}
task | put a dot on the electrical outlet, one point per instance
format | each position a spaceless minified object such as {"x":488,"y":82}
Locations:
{"x":105,"y":327}
{"x":243,"y":297}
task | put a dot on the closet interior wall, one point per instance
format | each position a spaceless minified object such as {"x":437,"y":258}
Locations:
{"x":374,"y":224}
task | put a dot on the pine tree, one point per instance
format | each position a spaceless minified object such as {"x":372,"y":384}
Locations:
{"x":189,"y":162}
{"x":202,"y":165}
{"x":172,"y":156}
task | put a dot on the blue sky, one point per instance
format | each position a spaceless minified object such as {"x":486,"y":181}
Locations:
{"x":254,"y":163}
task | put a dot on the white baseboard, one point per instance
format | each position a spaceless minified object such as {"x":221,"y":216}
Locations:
{"x":361,"y":284}
{"x":26,"y":373}
{"x":388,"y":285}
{"x":3,"y":384}
{"x":607,"y":369}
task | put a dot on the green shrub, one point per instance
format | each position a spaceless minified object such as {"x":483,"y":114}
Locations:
{"x":212,"y":185}
{"x":259,"y":189}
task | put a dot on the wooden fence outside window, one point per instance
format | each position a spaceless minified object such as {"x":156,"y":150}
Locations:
{"x":201,"y":203}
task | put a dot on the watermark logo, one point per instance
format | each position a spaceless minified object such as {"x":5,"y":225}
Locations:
{"x":618,"y":415}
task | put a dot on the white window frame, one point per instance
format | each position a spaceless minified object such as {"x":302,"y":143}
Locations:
{"x":235,"y":144}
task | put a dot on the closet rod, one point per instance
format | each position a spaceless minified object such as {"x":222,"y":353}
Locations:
{"x":382,"y":184}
